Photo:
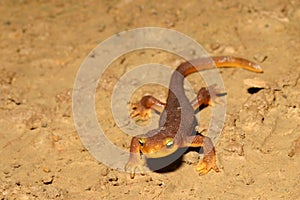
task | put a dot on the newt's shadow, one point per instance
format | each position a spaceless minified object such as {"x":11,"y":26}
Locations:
{"x":170,"y":163}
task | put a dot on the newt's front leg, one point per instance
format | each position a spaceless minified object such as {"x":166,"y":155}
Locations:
{"x":135,"y":159}
{"x":209,"y":160}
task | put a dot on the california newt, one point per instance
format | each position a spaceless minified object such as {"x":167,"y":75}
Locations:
{"x":171,"y":133}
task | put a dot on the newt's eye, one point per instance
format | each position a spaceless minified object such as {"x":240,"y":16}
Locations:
{"x":141,"y":141}
{"x":169,"y":143}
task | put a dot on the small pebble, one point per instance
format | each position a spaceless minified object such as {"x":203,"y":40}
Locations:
{"x":6,"y":171}
{"x":104,"y":171}
{"x":47,"y":180}
{"x":191,"y":158}
{"x":47,"y":170}
{"x":56,"y":138}
{"x":101,"y":27}
{"x":215,"y":46}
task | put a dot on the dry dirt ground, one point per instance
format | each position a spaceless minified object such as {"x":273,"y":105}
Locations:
{"x":43,"y":44}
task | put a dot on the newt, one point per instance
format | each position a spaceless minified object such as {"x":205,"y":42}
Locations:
{"x":177,"y":121}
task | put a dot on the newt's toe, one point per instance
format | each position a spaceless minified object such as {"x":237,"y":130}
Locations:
{"x":139,"y":110}
{"x":133,"y":164}
{"x":206,"y":165}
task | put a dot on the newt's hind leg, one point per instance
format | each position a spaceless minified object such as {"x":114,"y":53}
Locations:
{"x":207,"y":96}
{"x":144,"y":106}
{"x":209,"y":160}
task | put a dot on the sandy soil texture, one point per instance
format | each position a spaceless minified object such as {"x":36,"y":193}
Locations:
{"x":42,"y":45}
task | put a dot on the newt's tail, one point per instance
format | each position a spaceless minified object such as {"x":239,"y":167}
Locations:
{"x":219,"y":61}
{"x":229,"y":61}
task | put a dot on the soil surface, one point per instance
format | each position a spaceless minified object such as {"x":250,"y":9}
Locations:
{"x":43,"y":44}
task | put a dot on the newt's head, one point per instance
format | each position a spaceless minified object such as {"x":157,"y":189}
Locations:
{"x":156,"y":146}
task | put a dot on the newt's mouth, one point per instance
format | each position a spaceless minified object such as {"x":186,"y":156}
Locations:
{"x":158,"y":153}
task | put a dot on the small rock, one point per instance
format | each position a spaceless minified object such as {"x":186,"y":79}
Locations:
{"x":101,"y":27}
{"x":191,"y":158}
{"x":55,"y":138}
{"x":104,"y":171}
{"x":256,"y":83}
{"x":47,"y":180}
{"x":215,"y":46}
{"x":44,"y":124}
{"x":6,"y":171}
{"x":46,"y":169}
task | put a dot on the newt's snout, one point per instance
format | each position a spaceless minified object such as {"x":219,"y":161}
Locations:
{"x":154,"y":147}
